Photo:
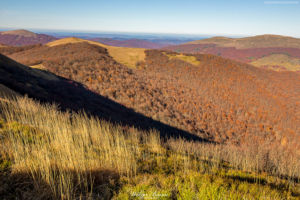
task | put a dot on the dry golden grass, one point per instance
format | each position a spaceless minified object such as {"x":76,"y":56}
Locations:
{"x":252,"y":42}
{"x":291,"y":64}
{"x":56,"y":155}
{"x":20,"y":32}
{"x":70,"y":40}
{"x":62,"y":153}
{"x":189,"y":59}
{"x":39,"y":66}
{"x":124,"y":55}
{"x":127,"y":56}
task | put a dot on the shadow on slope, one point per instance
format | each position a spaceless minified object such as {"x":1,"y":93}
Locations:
{"x":74,"y":96}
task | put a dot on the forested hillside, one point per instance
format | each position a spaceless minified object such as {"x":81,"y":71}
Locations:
{"x":137,"y":43}
{"x":183,"y":125}
{"x":24,"y":37}
{"x":218,"y":100}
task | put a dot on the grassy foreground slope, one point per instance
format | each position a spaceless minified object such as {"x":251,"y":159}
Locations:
{"x":46,"y":153}
{"x":124,"y":55}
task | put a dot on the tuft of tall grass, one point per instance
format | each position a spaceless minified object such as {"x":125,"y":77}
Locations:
{"x":63,"y":153}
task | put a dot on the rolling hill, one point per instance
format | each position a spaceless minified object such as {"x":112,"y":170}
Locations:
{"x":124,"y":55}
{"x":79,"y":90}
{"x":207,"y":96}
{"x":268,"y":51}
{"x":23,"y":37}
{"x":260,"y":41}
{"x":136,"y":43}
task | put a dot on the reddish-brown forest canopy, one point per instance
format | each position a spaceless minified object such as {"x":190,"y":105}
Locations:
{"x":137,"y":43}
{"x":219,"y":100}
{"x":18,"y":40}
{"x":242,"y":55}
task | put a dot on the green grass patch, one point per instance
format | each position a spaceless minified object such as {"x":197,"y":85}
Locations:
{"x":189,"y":59}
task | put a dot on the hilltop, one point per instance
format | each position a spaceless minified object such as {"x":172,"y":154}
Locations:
{"x":260,"y":41}
{"x":23,"y":37}
{"x":123,"y":55}
{"x":20,"y":32}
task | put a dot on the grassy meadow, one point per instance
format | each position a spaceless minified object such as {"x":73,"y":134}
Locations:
{"x":49,"y":154}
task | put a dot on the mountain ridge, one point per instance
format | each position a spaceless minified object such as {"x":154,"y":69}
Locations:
{"x":136,"y":43}
{"x":20,"y":32}
{"x":125,"y":55}
{"x":23,"y":37}
{"x":267,"y":40}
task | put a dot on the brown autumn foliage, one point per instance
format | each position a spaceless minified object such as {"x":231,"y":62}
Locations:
{"x":219,"y":100}
{"x":136,"y":43}
{"x":19,"y":40}
{"x":242,"y":55}
{"x":7,"y":50}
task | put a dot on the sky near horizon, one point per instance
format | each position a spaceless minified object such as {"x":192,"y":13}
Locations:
{"x":194,"y":17}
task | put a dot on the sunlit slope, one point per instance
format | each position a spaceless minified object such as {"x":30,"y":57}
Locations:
{"x":252,"y":42}
{"x":278,"y":62}
{"x":189,"y":59}
{"x":39,"y":66}
{"x":124,"y":55}
{"x":20,"y":32}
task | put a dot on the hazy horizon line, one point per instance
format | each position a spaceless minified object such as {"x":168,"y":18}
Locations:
{"x":119,"y":32}
{"x":73,"y":31}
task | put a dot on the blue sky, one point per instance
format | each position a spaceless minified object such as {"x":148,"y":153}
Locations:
{"x":219,"y":17}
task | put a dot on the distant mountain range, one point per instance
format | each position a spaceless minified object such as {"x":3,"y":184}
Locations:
{"x":275,"y":52}
{"x":23,"y":37}
{"x":137,"y":43}
{"x":260,"y":41}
